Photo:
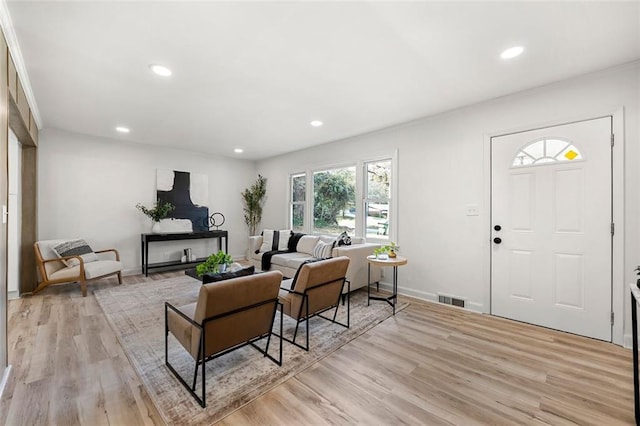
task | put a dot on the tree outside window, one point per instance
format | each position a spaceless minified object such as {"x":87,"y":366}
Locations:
{"x":377,"y":199}
{"x":334,"y":201}
{"x":297,"y":203}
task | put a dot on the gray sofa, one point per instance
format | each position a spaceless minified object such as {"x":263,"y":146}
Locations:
{"x":288,"y":263}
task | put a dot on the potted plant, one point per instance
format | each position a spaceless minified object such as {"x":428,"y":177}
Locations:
{"x":386,"y":251}
{"x":253,"y":200}
{"x":217,"y":262}
{"x":158,"y":212}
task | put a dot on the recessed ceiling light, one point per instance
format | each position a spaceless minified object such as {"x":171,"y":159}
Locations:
{"x":123,"y":129}
{"x":238,"y":150}
{"x":316,"y":123}
{"x":160,"y":70}
{"x":512,"y":52}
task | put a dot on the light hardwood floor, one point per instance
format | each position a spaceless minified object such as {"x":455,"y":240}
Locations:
{"x":430,"y":364}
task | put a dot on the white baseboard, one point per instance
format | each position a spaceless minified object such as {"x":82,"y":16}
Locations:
{"x":12,"y":295}
{"x":5,"y":379}
{"x":429,"y":297}
{"x":627,"y":341}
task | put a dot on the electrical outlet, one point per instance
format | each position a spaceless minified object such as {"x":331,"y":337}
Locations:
{"x":472,"y":210}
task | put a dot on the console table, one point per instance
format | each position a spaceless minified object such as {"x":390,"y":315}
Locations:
{"x":145,"y":239}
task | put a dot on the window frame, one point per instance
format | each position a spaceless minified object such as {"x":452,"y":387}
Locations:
{"x":388,"y":200}
{"x":293,"y":203}
{"x":360,"y":219}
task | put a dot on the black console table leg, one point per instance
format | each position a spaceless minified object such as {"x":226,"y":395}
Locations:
{"x":636,"y":384}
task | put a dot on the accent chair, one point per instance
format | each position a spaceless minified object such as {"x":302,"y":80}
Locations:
{"x":87,"y":266}
{"x":315,"y":289}
{"x":228,"y":315}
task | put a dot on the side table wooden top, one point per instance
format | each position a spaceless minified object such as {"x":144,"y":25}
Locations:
{"x":392,"y":261}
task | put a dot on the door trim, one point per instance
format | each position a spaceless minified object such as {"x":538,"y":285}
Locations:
{"x":618,"y":247}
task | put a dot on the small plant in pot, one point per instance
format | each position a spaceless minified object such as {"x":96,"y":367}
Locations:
{"x":215,"y":263}
{"x":158,"y":212}
{"x":387,"y":251}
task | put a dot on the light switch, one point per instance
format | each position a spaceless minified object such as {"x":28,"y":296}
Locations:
{"x":5,"y":213}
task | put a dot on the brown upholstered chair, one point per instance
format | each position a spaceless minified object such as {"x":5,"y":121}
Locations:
{"x":227,"y":315}
{"x":315,"y":289}
{"x":52,"y":269}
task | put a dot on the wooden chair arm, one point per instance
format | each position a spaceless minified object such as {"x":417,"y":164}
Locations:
{"x":43,"y":270}
{"x":63,"y":258}
{"x":108,"y":250}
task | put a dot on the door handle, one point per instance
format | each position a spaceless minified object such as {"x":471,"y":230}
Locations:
{"x":497,"y":240}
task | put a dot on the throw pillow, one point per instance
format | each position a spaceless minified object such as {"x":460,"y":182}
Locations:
{"x":75,"y":248}
{"x":275,"y":240}
{"x":322,"y":250}
{"x":343,"y":240}
{"x":307,"y":243}
{"x":211,"y":278}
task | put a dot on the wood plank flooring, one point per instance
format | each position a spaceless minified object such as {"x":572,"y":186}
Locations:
{"x":430,"y":364}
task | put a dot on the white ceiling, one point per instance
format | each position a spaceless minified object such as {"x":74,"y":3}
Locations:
{"x":254,"y":74}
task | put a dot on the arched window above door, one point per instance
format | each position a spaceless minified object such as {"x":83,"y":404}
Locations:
{"x":546,"y":151}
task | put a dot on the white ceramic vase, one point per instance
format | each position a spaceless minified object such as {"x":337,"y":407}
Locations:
{"x":155,"y":228}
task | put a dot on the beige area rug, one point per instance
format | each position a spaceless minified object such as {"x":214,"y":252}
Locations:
{"x":136,"y":314}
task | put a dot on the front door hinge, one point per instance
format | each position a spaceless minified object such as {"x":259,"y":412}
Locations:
{"x":612,"y":140}
{"x":612,"y":318}
{"x":613,"y":228}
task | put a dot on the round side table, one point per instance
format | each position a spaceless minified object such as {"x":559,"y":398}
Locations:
{"x":393,"y":262}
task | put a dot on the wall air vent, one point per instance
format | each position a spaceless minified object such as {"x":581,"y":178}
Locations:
{"x":451,"y":301}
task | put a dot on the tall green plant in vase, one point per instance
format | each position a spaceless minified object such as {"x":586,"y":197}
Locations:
{"x":253,"y":200}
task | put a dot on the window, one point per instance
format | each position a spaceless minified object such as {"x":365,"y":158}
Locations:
{"x":355,"y":199}
{"x":377,"y":199}
{"x":297,"y":201}
{"x":334,"y":201}
{"x":546,"y":151}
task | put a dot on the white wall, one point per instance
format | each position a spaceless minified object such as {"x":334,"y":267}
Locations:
{"x":88,"y":187}
{"x":442,"y":167}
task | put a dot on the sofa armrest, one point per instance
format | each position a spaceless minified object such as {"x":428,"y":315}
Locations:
{"x":358,"y":266}
{"x":254,"y":243}
{"x":355,"y":250}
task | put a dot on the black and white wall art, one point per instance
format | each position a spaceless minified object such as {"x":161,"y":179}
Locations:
{"x":189,"y":193}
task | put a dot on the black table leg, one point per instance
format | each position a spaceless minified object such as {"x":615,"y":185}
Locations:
{"x":142,"y":254}
{"x":146,"y":258}
{"x":368,"y":282}
{"x":395,"y":288}
{"x":636,"y":387}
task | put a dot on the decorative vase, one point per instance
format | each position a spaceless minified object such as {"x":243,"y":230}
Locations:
{"x":155,"y":228}
{"x":222,"y":267}
{"x":392,"y":254}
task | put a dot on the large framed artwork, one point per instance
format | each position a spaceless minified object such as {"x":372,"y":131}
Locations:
{"x":189,"y":194}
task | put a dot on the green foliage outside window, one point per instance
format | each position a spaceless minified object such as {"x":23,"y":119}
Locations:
{"x":333,"y":193}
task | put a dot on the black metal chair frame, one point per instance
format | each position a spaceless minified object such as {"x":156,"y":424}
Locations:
{"x":307,"y":317}
{"x":202,"y":327}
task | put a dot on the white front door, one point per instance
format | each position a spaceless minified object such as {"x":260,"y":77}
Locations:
{"x":551,"y":212}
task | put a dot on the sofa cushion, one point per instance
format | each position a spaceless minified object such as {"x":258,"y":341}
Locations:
{"x":329,"y":239}
{"x":275,"y":240}
{"x":307,"y":243}
{"x":91,"y":270}
{"x":76,"y":247}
